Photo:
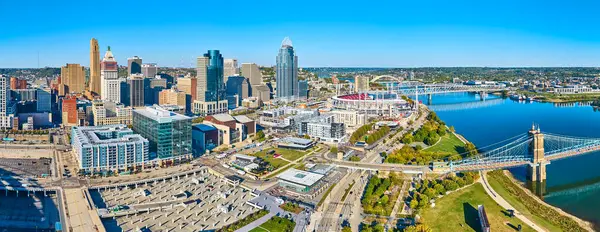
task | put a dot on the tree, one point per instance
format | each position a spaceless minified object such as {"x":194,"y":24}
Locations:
{"x":439,"y":188}
{"x":413,"y":204}
{"x":471,"y":149}
{"x":431,"y":193}
{"x":424,"y":201}
{"x":418,"y":228}
{"x":346,"y":229}
{"x":452,"y":129}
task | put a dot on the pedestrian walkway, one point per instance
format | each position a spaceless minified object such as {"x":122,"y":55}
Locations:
{"x":504,"y":204}
{"x":256,"y":223}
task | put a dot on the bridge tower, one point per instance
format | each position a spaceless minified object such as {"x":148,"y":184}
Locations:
{"x":537,"y":167}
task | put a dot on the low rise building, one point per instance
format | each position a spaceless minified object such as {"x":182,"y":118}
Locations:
{"x":299,"y":181}
{"x":204,"y":138}
{"x":231,"y":129}
{"x":110,"y":113}
{"x":295,"y":143}
{"x":109,"y":147}
{"x":209,"y":108}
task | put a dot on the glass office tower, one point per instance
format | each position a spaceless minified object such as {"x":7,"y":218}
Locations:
{"x":215,"y":85}
{"x":287,"y":72}
{"x":170,"y":134}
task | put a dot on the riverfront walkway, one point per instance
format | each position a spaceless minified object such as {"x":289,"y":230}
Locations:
{"x":504,"y":204}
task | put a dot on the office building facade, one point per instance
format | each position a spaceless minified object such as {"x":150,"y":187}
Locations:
{"x":211,"y":86}
{"x":238,"y":85}
{"x":172,"y":97}
{"x":95,"y":82}
{"x":7,"y":108}
{"x":44,"y":100}
{"x":136,"y":90}
{"x":149,"y":70}
{"x":252,"y":72}
{"x":230,"y":68}
{"x":110,"y":113}
{"x":286,"y":73}
{"x":303,"y":89}
{"x":169,"y":134}
{"x":72,"y":77}
{"x":134,"y":65}
{"x":109,"y":78}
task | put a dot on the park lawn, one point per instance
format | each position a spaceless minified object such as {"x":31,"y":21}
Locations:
{"x":275,"y":224}
{"x":275,"y":162}
{"x":458,"y":212}
{"x":449,"y":144}
{"x":518,"y":204}
{"x":288,"y":154}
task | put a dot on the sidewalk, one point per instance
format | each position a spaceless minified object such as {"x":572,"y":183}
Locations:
{"x":256,"y":223}
{"x":504,"y":204}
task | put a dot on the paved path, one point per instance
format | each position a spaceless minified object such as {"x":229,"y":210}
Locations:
{"x":256,"y":223}
{"x":504,"y":204}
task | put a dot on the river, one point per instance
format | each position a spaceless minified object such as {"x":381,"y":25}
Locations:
{"x":573,"y":184}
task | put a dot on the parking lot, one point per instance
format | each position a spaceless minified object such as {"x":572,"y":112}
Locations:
{"x":25,"y":167}
{"x":195,"y":203}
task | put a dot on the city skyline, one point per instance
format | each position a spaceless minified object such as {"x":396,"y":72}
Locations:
{"x":433,"y":34}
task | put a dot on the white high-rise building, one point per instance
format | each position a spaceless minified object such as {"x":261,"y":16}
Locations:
{"x":109,"y":78}
{"x":230,"y":68}
{"x":201,"y":74}
{"x":7,"y":110}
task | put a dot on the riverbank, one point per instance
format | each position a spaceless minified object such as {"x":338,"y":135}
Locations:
{"x":561,"y":98}
{"x":531,"y":206}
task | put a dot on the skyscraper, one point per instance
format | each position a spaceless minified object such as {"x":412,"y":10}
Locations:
{"x":7,"y":109}
{"x":135,"y":84}
{"x":109,"y":76}
{"x":94,"y":83}
{"x":149,"y":70}
{"x":134,"y":65}
{"x":211,"y":85}
{"x":230,"y":68}
{"x":286,"y":74}
{"x":238,"y":85}
{"x":252,"y":72}
{"x":72,"y":79}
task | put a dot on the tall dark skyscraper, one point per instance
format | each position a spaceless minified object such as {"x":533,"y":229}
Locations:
{"x":134,"y":65}
{"x":286,"y":74}
{"x":211,"y":85}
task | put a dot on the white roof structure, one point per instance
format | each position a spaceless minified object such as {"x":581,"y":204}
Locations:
{"x":300,"y":177}
{"x":287,"y":42}
{"x":108,"y":56}
{"x":242,"y":119}
{"x":159,"y":114}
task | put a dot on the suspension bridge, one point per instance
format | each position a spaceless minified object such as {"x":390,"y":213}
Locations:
{"x":534,"y":149}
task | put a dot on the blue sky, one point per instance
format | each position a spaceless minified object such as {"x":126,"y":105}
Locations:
{"x":325,"y":33}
